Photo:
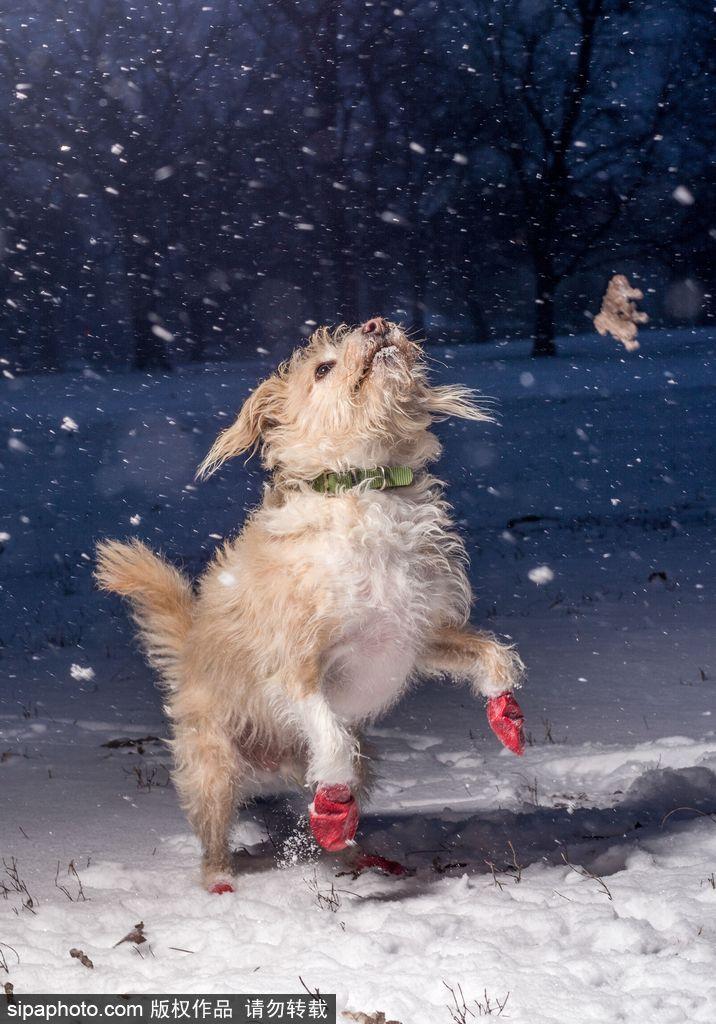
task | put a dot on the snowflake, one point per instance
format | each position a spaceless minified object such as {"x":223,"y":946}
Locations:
{"x":541,"y":574}
{"x":682,"y":195}
{"x":83,"y":675}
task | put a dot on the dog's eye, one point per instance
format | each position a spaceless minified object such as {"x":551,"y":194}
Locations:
{"x":323,"y":369}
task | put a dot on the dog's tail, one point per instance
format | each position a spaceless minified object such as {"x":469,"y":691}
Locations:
{"x":160,"y":596}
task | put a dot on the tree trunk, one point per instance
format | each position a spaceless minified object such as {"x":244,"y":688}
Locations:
{"x":377,"y":273}
{"x":195,"y":336}
{"x":478,"y":320}
{"x":544,"y":316}
{"x":149,"y":353}
{"x":333,"y":241}
{"x":149,"y":350}
{"x":48,"y":331}
{"x":417,"y":265}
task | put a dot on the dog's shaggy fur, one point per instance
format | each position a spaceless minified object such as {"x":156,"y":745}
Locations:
{"x":313,"y":621}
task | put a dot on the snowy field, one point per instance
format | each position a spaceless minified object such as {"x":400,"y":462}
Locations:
{"x":577,"y":883}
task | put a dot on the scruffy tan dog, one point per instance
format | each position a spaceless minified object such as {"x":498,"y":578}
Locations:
{"x":346,"y":582}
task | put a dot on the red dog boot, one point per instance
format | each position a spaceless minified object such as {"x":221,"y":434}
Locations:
{"x":333,"y":817}
{"x":218,"y":888}
{"x":369,"y":861}
{"x":507,"y":721}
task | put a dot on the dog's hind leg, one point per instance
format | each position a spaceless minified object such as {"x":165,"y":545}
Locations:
{"x":207,"y":775}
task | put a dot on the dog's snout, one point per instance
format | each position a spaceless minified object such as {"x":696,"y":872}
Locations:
{"x":376,"y":325}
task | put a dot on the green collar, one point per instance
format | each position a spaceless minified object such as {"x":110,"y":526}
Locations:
{"x":378,"y":479}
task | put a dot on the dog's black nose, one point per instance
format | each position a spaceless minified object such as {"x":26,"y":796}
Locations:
{"x":375,"y":326}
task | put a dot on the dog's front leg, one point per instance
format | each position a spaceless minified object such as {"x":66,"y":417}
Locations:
{"x":492,"y":668}
{"x":332,"y":750}
{"x":332,"y":768}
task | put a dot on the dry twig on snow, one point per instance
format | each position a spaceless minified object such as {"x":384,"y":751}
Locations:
{"x":461,"y":1013}
{"x":4,"y":966}
{"x":72,"y":872}
{"x":16,"y":884}
{"x":585,"y":873}
{"x":136,"y":935}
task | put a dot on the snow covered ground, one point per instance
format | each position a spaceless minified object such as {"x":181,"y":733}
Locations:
{"x":576,"y":882}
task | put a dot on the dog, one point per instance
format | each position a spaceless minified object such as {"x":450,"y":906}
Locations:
{"x":347,"y":582}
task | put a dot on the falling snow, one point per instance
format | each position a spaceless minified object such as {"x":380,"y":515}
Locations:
{"x":82,"y":674}
{"x":541,"y":574}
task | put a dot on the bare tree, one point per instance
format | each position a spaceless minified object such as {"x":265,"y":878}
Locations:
{"x":114,"y":102}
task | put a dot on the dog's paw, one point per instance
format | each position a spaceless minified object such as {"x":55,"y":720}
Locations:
{"x":374,"y":862}
{"x":333,"y":817}
{"x":500,"y":668}
{"x":507,"y":722}
{"x":218,"y":888}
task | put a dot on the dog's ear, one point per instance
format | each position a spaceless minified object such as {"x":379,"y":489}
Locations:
{"x":454,"y":400}
{"x":259,"y":412}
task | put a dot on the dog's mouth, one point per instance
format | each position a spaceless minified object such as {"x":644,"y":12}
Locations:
{"x":385,"y":348}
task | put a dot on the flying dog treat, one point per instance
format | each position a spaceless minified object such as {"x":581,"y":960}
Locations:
{"x":619,"y":315}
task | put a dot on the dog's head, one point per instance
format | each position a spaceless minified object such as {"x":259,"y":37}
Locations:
{"x":350,"y":398}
